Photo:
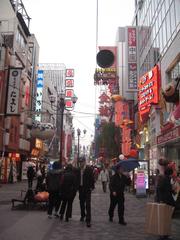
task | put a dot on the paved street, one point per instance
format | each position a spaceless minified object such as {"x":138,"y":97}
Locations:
{"x":34,"y":224}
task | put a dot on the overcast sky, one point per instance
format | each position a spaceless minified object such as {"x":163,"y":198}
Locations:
{"x":66,"y":32}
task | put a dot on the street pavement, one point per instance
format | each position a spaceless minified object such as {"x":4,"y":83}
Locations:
{"x":35,"y":225}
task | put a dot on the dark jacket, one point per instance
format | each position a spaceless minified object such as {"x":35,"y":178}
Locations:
{"x":68,"y":184}
{"x":165,"y":191}
{"x":53,"y":180}
{"x":30,"y":173}
{"x":118,"y":183}
{"x":88,"y":178}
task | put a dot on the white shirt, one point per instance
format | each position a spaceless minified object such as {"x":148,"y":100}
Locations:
{"x":104,"y":175}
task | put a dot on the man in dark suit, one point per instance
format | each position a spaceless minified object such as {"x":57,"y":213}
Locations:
{"x":117,"y":186}
{"x":86,"y":185}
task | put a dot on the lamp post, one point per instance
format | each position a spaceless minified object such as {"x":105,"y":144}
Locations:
{"x":78,"y":135}
{"x":61,"y":106}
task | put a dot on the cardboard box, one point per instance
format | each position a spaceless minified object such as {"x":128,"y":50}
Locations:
{"x":158,"y":218}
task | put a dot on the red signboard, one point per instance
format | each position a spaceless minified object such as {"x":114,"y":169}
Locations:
{"x":148,"y":93}
{"x":69,"y":93}
{"x":69,"y":72}
{"x":69,"y":103}
{"x":172,"y":134}
{"x":69,"y":83}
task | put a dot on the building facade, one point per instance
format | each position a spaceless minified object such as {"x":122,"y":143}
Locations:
{"x":158,"y":24}
{"x":17,"y":71}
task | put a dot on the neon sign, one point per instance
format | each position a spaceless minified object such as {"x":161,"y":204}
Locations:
{"x":148,"y":87}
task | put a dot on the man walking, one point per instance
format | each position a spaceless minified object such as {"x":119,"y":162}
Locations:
{"x":117,"y":186}
{"x":53,"y":182}
{"x":104,"y":177}
{"x":86,"y":185}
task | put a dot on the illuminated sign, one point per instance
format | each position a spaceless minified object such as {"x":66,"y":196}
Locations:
{"x":69,"y":93}
{"x":69,"y":83}
{"x":132,"y":58}
{"x":148,"y":87}
{"x":69,"y":72}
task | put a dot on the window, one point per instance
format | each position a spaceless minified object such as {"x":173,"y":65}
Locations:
{"x":168,"y":26}
{"x":164,"y":34}
{"x":177,"y":12}
{"x":172,"y":13}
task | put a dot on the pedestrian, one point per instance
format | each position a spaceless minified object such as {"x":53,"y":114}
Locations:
{"x":104,"y":177}
{"x":53,"y":182}
{"x":86,"y":185}
{"x":165,"y":191}
{"x":30,"y":176}
{"x":39,"y":181}
{"x":117,"y":186}
{"x":68,"y":189}
{"x":156,"y":180}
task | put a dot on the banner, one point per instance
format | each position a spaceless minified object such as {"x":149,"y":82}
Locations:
{"x":12,"y":106}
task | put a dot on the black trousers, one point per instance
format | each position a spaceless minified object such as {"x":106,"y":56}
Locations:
{"x":53,"y":201}
{"x":85,"y":203}
{"x":116,"y":200}
{"x":30,"y":182}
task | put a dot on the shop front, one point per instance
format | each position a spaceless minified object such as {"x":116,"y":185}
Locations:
{"x":168,"y":143}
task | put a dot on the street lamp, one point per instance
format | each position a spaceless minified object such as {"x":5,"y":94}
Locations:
{"x":78,"y":135}
{"x":61,"y":106}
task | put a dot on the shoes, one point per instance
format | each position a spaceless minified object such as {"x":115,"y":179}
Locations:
{"x":165,"y":238}
{"x":67,"y":219}
{"x":49,"y":216}
{"x":61,"y":217}
{"x":88,"y":224}
{"x":82,"y":219}
{"x":110,"y":219}
{"x":123,"y":223}
{"x":56,"y":215}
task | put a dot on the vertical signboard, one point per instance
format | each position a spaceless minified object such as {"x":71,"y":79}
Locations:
{"x":148,"y":92}
{"x":39,"y":93}
{"x":69,"y":93}
{"x":12,"y":107}
{"x":132,"y":58}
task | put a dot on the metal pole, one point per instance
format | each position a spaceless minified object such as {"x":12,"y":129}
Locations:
{"x":62,"y":106}
{"x":78,"y":134}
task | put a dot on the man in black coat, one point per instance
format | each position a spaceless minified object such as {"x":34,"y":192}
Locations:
{"x":53,"y":181}
{"x":117,"y":186}
{"x":30,"y":176}
{"x":86,"y":185}
{"x":68,"y":189}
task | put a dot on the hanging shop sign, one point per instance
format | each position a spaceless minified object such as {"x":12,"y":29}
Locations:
{"x":69,"y":91}
{"x":172,"y":135}
{"x":148,"y":92}
{"x":42,"y":130}
{"x":132,"y":58}
{"x":13,"y":91}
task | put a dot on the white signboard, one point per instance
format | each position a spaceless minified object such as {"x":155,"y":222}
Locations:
{"x":13,"y":91}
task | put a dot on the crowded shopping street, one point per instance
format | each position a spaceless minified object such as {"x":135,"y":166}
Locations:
{"x":19,"y":224}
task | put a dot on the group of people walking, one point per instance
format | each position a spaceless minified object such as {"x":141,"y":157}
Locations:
{"x":63,"y":185}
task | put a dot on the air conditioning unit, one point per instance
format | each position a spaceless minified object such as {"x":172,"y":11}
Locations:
{"x":22,"y":117}
{"x":6,"y":139}
{"x":28,"y":134}
{"x":21,"y":130}
{"x":7,"y":122}
{"x":23,"y":103}
{"x":21,"y":143}
{"x":29,"y":122}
